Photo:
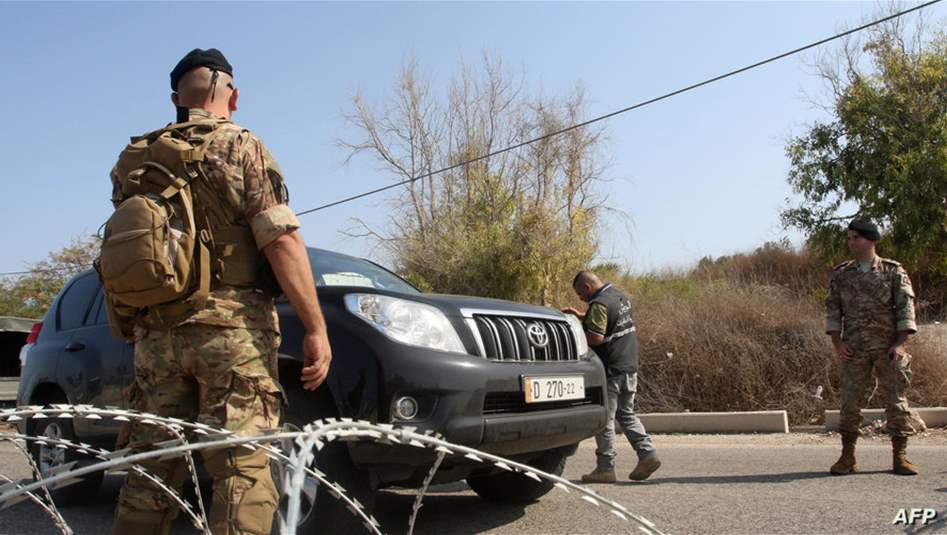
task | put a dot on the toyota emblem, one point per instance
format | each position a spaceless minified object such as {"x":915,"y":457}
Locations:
{"x":537,"y":335}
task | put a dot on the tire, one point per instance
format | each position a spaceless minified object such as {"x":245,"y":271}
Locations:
{"x":48,"y":458}
{"x":320,"y":511}
{"x":331,"y":515}
{"x":280,"y":473}
{"x":514,"y":487}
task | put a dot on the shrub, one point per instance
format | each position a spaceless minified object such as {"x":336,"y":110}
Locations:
{"x":745,"y":332}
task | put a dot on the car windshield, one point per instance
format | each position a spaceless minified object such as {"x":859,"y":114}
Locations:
{"x":332,"y":269}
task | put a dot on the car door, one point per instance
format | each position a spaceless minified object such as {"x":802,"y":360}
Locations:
{"x":90,"y":356}
{"x":116,"y":357}
{"x":74,"y":372}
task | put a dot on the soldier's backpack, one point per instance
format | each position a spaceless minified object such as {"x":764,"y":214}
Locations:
{"x":155,"y":249}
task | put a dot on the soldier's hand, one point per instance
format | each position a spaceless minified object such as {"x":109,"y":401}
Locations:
{"x":569,"y":310}
{"x":317,"y":356}
{"x":896,"y":352}
{"x":843,"y":350}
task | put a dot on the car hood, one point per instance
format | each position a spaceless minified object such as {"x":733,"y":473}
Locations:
{"x":463,"y":305}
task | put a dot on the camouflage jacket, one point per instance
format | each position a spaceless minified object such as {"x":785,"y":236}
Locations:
{"x":247,"y":177}
{"x":870,"y":307}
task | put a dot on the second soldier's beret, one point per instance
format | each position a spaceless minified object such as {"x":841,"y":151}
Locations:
{"x":865,"y":228}
{"x":211,"y":58}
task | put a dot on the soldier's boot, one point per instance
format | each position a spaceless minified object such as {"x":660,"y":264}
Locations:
{"x":645,"y":468}
{"x":902,"y":466}
{"x":600,"y":476}
{"x":846,"y":464}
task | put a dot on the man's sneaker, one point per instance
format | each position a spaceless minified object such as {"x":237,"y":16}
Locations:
{"x":600,"y":476}
{"x":645,"y":468}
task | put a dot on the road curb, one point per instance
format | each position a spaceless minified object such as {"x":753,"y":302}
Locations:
{"x":932,"y":416}
{"x":716,"y":422}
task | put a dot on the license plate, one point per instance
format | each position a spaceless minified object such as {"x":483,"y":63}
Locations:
{"x":548,"y":388}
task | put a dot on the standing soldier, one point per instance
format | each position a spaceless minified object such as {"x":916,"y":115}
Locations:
{"x":213,"y":359}
{"x":610,"y":331}
{"x":869,"y":315}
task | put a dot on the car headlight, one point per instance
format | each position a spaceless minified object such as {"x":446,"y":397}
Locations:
{"x":578,"y":331}
{"x":405,"y":321}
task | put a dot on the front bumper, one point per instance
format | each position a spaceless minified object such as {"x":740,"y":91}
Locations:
{"x":479,"y":403}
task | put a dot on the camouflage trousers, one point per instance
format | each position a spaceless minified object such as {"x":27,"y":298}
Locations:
{"x":894,"y":379}
{"x":222,"y":377}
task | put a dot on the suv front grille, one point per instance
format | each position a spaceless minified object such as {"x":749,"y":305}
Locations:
{"x":509,"y":338}
{"x":513,"y":402}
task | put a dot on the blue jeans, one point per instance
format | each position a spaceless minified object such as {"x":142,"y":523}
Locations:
{"x":621,"y":403}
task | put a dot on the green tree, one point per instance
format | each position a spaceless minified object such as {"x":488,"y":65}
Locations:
{"x":517,"y":225}
{"x":883,"y":155}
{"x":31,"y":294}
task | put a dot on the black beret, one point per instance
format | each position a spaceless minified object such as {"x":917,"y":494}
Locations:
{"x":866,"y":229}
{"x":211,"y":58}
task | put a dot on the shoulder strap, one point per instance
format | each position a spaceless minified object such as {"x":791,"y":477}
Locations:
{"x":199,"y":141}
{"x":843,"y":265}
{"x":196,"y":154}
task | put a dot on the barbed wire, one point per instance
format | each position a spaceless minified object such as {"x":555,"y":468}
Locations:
{"x":121,"y":415}
{"x":312,"y":438}
{"x":47,"y":505}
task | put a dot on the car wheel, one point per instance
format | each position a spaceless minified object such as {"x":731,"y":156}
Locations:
{"x":49,"y":457}
{"x":320,"y":512}
{"x":514,"y":487}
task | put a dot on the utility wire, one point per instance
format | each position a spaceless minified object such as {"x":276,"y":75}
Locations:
{"x":621,"y":111}
{"x":588,"y":122}
{"x":46,"y":270}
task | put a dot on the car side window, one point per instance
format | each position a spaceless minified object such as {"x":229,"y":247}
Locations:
{"x":75,"y":303}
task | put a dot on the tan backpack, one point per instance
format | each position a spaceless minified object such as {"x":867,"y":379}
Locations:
{"x":155,"y":251}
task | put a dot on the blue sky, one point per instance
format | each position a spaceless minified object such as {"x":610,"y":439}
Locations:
{"x":701,"y":174}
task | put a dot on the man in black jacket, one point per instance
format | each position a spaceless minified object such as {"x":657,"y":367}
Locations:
{"x":610,"y":331}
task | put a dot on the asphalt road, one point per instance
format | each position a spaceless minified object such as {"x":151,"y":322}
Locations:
{"x":8,"y":386}
{"x":740,"y":484}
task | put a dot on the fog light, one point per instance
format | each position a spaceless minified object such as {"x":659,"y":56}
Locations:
{"x":406,"y":407}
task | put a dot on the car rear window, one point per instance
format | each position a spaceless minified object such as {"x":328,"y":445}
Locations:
{"x":75,"y":303}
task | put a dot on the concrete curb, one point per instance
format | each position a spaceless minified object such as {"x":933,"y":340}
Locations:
{"x":716,"y":422}
{"x":932,"y":416}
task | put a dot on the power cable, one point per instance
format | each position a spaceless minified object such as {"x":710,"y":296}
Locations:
{"x":46,"y":270}
{"x":621,"y":111}
{"x":590,"y":121}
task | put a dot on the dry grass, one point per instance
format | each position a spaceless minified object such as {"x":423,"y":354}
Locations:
{"x":731,"y":348}
{"x":746,"y":333}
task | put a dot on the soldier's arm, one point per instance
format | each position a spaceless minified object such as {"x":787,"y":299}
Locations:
{"x":833,"y":320}
{"x":290,"y":261}
{"x":275,"y":229}
{"x":833,"y":309}
{"x":904,"y":313}
{"x":904,"y":303}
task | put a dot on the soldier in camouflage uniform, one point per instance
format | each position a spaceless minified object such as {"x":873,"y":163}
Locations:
{"x":217,"y":364}
{"x":870,"y":315}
